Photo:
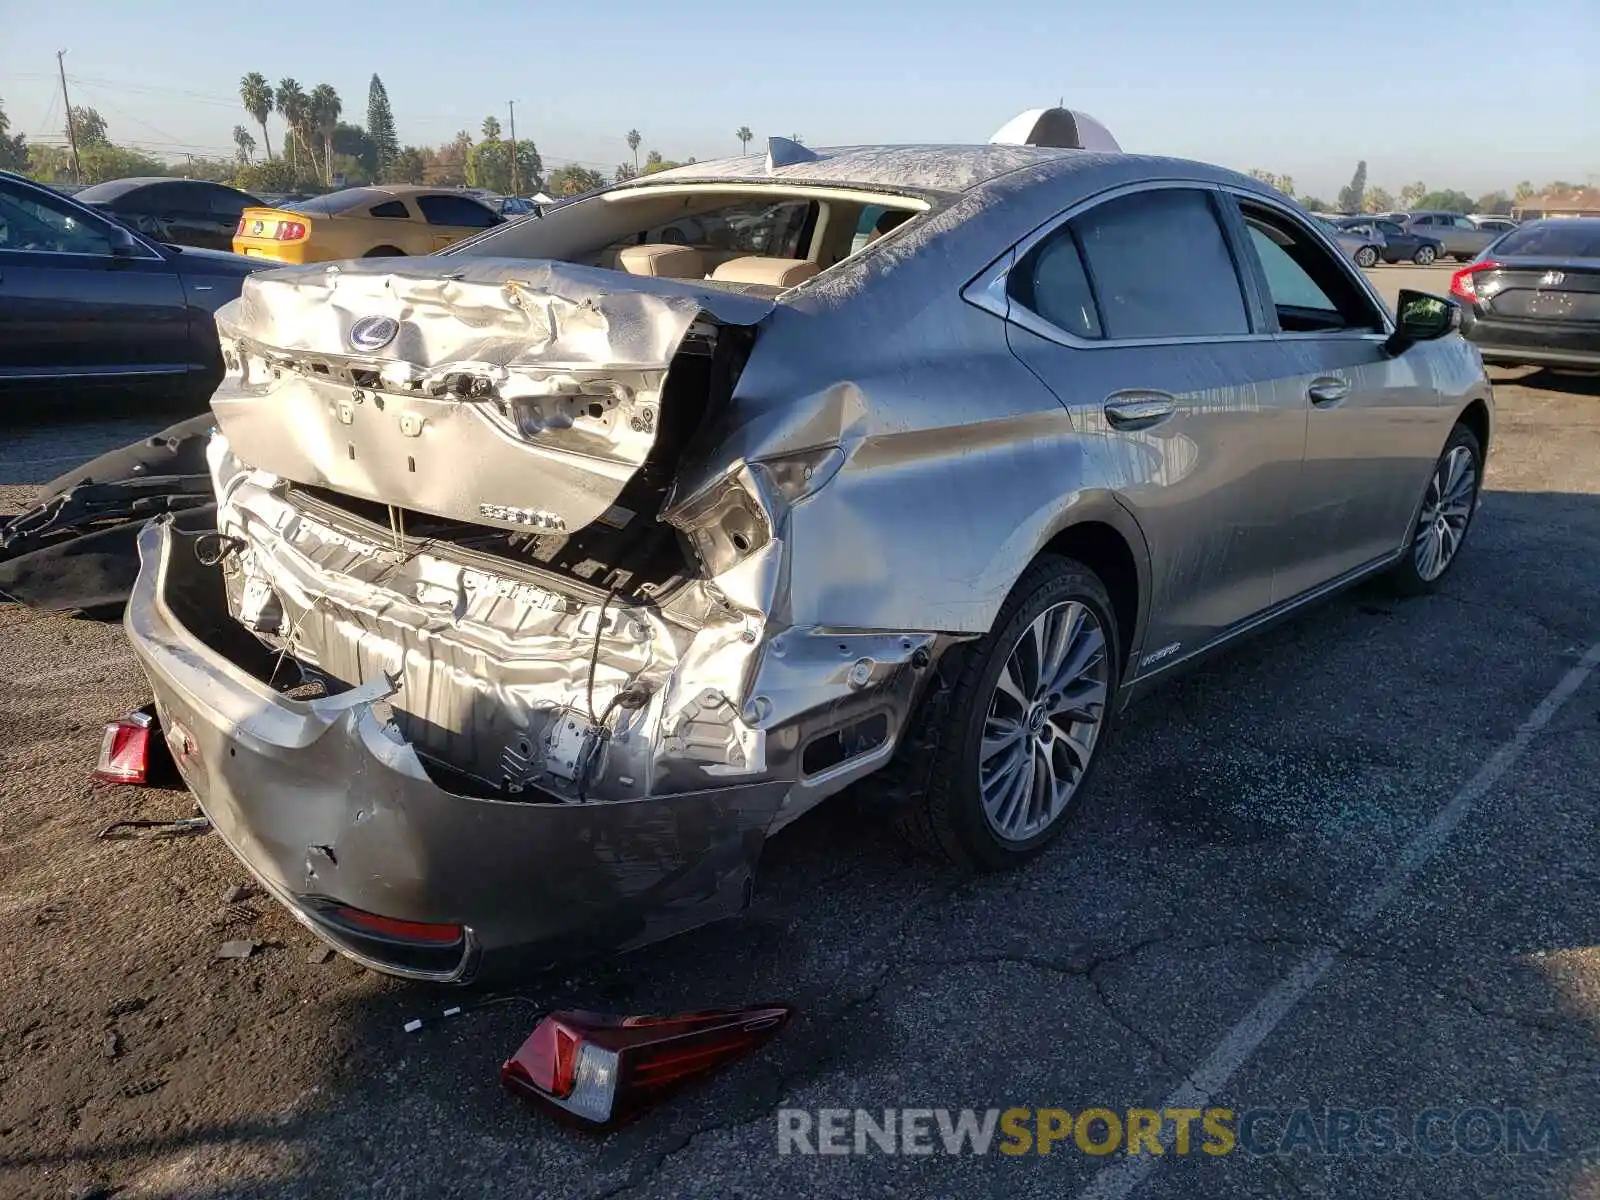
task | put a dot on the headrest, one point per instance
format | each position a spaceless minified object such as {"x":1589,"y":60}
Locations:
{"x":673,"y":262}
{"x":773,"y":272}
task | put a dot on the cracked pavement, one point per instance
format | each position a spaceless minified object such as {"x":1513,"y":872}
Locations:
{"x":1241,"y":813}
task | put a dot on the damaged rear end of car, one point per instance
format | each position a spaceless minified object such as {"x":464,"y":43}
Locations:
{"x":468,"y":669}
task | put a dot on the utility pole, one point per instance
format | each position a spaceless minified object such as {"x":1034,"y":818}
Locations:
{"x":511,"y":106}
{"x":72,"y":126}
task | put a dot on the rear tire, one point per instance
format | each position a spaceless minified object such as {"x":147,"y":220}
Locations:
{"x":996,"y":760}
{"x":1444,"y":516}
{"x":1424,"y":256}
{"x":385,"y":252}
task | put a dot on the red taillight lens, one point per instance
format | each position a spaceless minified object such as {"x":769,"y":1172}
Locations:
{"x":601,"y":1070}
{"x":1462,"y":284}
{"x":125,"y":750}
{"x":290,"y":231}
{"x":406,"y":931}
{"x":239,"y":232}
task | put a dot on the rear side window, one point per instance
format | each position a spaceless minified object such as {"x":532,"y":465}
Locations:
{"x":456,"y":211}
{"x":1052,"y":282}
{"x":227,"y":203}
{"x":390,"y":208}
{"x":1160,"y":266}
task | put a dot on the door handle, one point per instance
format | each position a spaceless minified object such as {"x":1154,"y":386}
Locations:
{"x":1326,"y":392}
{"x":1139,"y":411}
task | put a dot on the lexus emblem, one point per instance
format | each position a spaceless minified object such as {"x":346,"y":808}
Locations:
{"x":373,"y":333}
{"x":1552,"y":279}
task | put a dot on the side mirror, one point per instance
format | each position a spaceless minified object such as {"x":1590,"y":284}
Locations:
{"x":122,"y":243}
{"x":1422,"y":318}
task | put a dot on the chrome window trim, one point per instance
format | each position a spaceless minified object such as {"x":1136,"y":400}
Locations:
{"x":989,"y":290}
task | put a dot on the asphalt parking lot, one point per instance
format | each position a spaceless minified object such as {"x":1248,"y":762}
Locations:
{"x":1353,"y":865}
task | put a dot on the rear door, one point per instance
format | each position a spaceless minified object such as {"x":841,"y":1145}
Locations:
{"x":1372,"y":430}
{"x":74,"y":316}
{"x":451,"y":218}
{"x":1132,"y":311}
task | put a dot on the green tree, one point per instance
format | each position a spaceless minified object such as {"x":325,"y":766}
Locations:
{"x":243,"y":144}
{"x":1449,"y":200}
{"x":633,"y":144}
{"x":491,"y":128}
{"x":294,"y":107}
{"x":1377,"y":200}
{"x":573,"y":180}
{"x":1314,"y":203}
{"x":1284,"y":183}
{"x":744,"y":135}
{"x":256,"y":93}
{"x":355,"y":154}
{"x":273,"y":175}
{"x":625,"y":171}
{"x":447,"y":164}
{"x":1412,"y":193}
{"x":385,"y":145}
{"x":13,"y":146}
{"x":1493,"y":202}
{"x":410,"y":165}
{"x":489,"y":166}
{"x":1351,"y":195}
{"x":1524,"y":191}
{"x":89,"y":126}
{"x":323,"y":109}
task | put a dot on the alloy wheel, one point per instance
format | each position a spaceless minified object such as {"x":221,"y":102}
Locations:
{"x":1446,"y":511}
{"x":1044,"y":717}
{"x":1424,"y":256}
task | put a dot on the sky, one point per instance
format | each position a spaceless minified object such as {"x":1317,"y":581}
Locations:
{"x":1470,"y":94}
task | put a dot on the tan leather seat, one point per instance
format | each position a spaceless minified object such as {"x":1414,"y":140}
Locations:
{"x":661,"y":259}
{"x":773,"y":272}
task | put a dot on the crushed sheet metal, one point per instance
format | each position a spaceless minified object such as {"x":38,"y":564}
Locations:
{"x":500,"y":372}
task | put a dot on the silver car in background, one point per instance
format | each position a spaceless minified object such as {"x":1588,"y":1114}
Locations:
{"x":1364,"y":245}
{"x":553,"y":574}
{"x":1460,"y":237}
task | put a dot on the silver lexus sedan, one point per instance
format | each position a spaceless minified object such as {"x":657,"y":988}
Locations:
{"x":550,"y":576}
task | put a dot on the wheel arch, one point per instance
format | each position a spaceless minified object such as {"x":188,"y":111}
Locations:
{"x":1476,"y":417}
{"x":1106,"y":538}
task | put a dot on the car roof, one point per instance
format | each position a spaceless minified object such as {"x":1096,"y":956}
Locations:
{"x":112,"y":188}
{"x":930,"y":168}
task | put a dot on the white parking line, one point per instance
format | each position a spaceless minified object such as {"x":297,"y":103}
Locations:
{"x":1121,"y":1178}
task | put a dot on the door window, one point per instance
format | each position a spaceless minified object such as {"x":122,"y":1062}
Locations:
{"x":457,"y":212}
{"x":1310,"y":290}
{"x":1150,"y":264}
{"x":30,"y":222}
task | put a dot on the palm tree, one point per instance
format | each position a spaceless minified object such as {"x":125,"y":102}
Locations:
{"x":243,"y":142}
{"x":322,"y":111}
{"x":491,"y":129}
{"x":256,"y":93}
{"x":292,"y":106}
{"x":633,"y":144}
{"x":744,"y":135}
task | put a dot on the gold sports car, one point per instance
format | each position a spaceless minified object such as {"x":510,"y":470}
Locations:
{"x":362,"y":222}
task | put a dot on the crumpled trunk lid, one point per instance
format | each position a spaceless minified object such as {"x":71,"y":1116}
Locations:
{"x":520,"y":395}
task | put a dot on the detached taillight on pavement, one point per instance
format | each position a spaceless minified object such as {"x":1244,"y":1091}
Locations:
{"x":1462,"y":283}
{"x":600,"y":1070}
{"x":125,"y":750}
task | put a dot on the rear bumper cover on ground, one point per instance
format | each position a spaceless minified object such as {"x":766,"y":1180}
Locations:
{"x":327,"y":805}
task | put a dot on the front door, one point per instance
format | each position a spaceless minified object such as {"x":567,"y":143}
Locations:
{"x":74,"y":315}
{"x":1372,"y":422}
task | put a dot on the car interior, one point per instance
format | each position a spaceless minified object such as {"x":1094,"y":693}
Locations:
{"x":751,"y":237}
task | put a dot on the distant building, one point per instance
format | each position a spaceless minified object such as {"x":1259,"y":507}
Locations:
{"x":1577,"y":202}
